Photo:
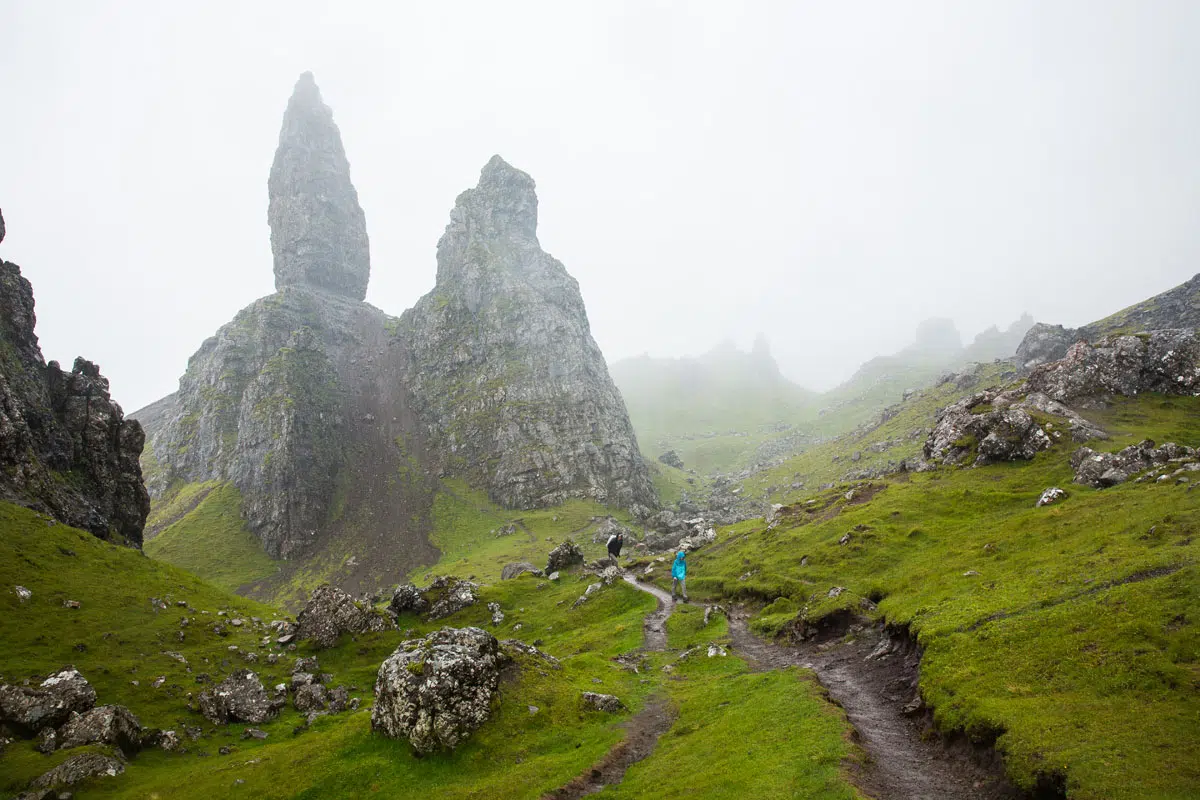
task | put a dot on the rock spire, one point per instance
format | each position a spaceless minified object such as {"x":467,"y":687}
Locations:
{"x":318,"y":230}
{"x":502,"y":364}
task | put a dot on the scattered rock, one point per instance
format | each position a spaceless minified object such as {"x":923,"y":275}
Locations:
{"x":239,"y":698}
{"x":565,"y":555}
{"x":497,"y":614}
{"x":836,"y":591}
{"x":715,"y":649}
{"x":254,"y":733}
{"x":331,"y":612}
{"x":1051,"y":495}
{"x":531,"y":650}
{"x":311,"y":697}
{"x":449,"y":595}
{"x":602,"y":702}
{"x":1102,"y":470}
{"x":671,"y":459}
{"x":435,"y":691}
{"x":22,"y":593}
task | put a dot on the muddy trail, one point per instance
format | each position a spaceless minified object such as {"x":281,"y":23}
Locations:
{"x":873,"y":677}
{"x":643,"y":728}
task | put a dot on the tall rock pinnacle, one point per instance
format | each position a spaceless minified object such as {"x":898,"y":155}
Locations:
{"x":318,"y":230}
{"x":513,"y":390}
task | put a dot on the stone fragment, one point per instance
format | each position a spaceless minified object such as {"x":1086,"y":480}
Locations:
{"x":602,"y":702}
{"x":448,"y":595}
{"x":239,"y":698}
{"x":311,"y":697}
{"x":407,"y":598}
{"x":1051,"y":495}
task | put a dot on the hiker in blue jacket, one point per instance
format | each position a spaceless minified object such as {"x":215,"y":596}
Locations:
{"x":679,"y":575}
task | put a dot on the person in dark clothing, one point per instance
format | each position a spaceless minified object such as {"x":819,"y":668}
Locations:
{"x":615,"y":543}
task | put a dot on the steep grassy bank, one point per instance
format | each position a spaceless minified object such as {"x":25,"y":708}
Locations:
{"x":1067,"y":631}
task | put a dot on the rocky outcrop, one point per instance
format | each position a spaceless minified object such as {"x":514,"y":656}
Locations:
{"x":1175,"y":308}
{"x":602,"y":702}
{"x":504,"y":372}
{"x":31,"y":709}
{"x":434,"y":692}
{"x":1102,"y":470}
{"x":1166,"y":361}
{"x":318,"y":230}
{"x":564,"y":556}
{"x":66,"y":448}
{"x":239,"y":698}
{"x":330,"y":612}
{"x":406,"y":599}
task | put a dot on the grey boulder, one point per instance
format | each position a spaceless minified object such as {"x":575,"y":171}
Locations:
{"x":239,"y":698}
{"x":30,"y":709}
{"x":331,"y":612}
{"x":434,"y":692}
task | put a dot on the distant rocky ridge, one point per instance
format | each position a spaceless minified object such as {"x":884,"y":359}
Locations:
{"x":335,"y":420}
{"x":1175,"y":308}
{"x":65,"y":446}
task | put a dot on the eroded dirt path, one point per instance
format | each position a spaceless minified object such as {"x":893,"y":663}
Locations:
{"x":874,"y":678}
{"x":643,"y":728}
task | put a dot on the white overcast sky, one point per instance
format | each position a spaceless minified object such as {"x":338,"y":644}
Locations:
{"x":827,"y":173}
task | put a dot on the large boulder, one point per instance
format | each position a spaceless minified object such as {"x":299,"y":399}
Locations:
{"x":30,"y":709}
{"x":565,"y":555}
{"x":434,"y":692}
{"x":239,"y":698}
{"x":1044,"y":343}
{"x":1005,"y":434}
{"x":331,"y":612}
{"x":114,"y":725}
{"x":610,"y":527}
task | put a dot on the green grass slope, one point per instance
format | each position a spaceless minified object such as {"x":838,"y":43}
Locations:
{"x":1067,"y":631}
{"x":204,"y":533}
{"x":539,"y":737}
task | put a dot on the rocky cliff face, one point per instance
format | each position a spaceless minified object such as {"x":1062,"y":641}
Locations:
{"x":65,"y":446}
{"x":506,"y":377}
{"x":1174,"y":309}
{"x":334,"y":419}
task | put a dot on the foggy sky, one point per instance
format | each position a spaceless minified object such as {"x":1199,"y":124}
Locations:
{"x":829,"y":174}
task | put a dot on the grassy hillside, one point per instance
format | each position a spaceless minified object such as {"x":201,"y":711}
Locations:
{"x":202,"y":531}
{"x":1068,"y":632}
{"x":118,"y":639}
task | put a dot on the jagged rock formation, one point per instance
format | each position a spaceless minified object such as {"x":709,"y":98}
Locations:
{"x":318,"y":230}
{"x":65,"y":445}
{"x":504,"y":373}
{"x":1175,"y":308}
{"x":334,"y":420}
{"x":331,"y":612}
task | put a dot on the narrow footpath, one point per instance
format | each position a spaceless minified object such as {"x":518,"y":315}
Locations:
{"x":643,"y":728}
